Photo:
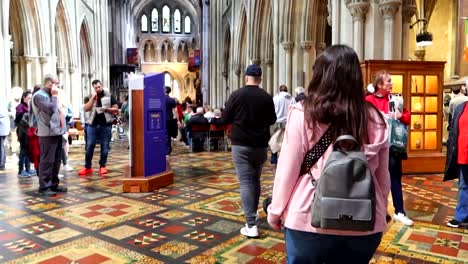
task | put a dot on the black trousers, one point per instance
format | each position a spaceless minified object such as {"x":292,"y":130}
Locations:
{"x":49,"y":162}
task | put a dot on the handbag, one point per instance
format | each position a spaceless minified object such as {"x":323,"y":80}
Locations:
{"x":398,"y":138}
{"x":311,"y":157}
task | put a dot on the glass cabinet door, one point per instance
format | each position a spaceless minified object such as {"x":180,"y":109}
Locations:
{"x":424,"y":102}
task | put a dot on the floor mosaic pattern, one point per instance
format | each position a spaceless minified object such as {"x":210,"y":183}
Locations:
{"x":195,"y":220}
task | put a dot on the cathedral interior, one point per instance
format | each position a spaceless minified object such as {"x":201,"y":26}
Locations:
{"x":203,"y":47}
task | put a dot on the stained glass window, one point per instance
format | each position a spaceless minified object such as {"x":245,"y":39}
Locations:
{"x":144,"y":23}
{"x":188,"y":25}
{"x":177,"y":23}
{"x":166,"y":12}
{"x":154,"y":20}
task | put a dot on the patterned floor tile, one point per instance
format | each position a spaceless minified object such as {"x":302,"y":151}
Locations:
{"x":150,"y":223}
{"x":174,"y":214}
{"x":147,"y":239}
{"x":201,"y":236}
{"x":86,"y":250}
{"x":9,"y":212}
{"x":197,"y":221}
{"x":227,"y":205}
{"x":104,"y":212}
{"x":122,"y":232}
{"x":222,"y":181}
{"x":225,"y":227}
{"x":22,"y":245}
{"x":173,"y":229}
{"x":209,"y":191}
{"x":40,"y":228}
{"x":40,"y":207}
{"x":174,"y":249}
{"x":59,"y":235}
{"x":27,"y":220}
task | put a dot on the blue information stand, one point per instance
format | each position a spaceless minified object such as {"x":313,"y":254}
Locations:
{"x":148,"y":168}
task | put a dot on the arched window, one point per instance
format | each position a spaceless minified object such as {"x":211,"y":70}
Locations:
{"x":166,"y":12}
{"x":176,"y":89}
{"x":188,"y":25}
{"x":168,"y":79}
{"x":154,"y":20}
{"x":177,"y":22}
{"x":144,"y":23}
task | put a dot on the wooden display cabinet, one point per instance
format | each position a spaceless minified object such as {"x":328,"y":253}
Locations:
{"x":421,"y":85}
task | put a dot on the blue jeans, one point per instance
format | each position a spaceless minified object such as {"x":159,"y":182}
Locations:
{"x":23,"y":160}
{"x":249,"y":163}
{"x":3,"y":151}
{"x":461,"y":211}
{"x":104,"y":134}
{"x":310,"y":248}
{"x":396,"y":188}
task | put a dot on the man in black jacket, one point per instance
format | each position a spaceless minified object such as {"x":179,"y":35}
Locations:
{"x":251,"y":111}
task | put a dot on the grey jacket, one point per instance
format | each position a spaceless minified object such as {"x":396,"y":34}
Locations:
{"x":452,"y":169}
{"x":47,"y":114}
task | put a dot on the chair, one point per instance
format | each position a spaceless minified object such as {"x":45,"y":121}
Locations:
{"x":200,"y":132}
{"x":218,"y":132}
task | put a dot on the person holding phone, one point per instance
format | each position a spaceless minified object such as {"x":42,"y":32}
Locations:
{"x":50,"y":128}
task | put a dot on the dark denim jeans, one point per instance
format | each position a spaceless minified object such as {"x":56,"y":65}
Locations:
{"x":311,"y":248}
{"x":394,"y":167}
{"x":103,"y":133}
{"x":23,"y":160}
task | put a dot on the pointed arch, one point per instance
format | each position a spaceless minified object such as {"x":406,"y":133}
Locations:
{"x":63,"y":36}
{"x":86,"y":48}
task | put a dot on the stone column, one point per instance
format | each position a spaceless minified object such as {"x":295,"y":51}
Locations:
{"x":409,"y":9}
{"x":72,"y":87}
{"x":90,"y":80}
{"x":16,"y":71}
{"x":84,"y":83}
{"x":288,"y":46}
{"x":60,"y":75}
{"x":335,"y":20}
{"x":238,"y":77}
{"x":358,"y":11}
{"x":43,"y":61}
{"x":309,"y":58}
{"x":28,"y":60}
{"x":388,"y":9}
{"x":268,"y":76}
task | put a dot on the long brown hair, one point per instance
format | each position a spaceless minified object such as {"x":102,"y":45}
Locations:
{"x":335,"y":94}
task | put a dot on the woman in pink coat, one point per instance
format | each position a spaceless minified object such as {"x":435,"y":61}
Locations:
{"x":336,"y":98}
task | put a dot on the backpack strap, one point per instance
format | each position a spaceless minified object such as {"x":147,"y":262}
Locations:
{"x":317,"y":151}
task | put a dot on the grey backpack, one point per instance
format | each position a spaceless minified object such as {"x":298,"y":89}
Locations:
{"x":344,"y":198}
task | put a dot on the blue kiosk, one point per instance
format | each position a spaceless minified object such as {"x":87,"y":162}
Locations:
{"x":148,"y":169}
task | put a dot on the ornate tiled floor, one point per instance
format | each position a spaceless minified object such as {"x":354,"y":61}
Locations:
{"x":196,"y":220}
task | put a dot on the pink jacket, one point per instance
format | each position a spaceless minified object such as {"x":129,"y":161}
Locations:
{"x":292,"y":194}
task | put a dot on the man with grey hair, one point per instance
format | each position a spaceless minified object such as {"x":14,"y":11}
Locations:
{"x":251,"y":112}
{"x":50,"y":128}
{"x":300,"y":94}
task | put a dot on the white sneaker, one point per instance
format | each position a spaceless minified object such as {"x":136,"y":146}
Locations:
{"x":61,"y":176}
{"x":403,"y":219}
{"x":250,"y":232}
{"x":67,"y":168}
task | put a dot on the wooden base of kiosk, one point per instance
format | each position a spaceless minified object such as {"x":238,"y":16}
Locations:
{"x":424,"y":163}
{"x":137,"y":184}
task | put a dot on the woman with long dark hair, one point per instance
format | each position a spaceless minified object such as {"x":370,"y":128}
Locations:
{"x":22,"y":128}
{"x":335,"y":98}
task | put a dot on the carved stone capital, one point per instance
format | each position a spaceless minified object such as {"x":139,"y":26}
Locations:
{"x":71,"y":70}
{"x":43,"y":60}
{"x":90,"y":75}
{"x":358,"y":10}
{"x":60,"y":69}
{"x":408,"y":12}
{"x":28,"y":59}
{"x":256,"y":61}
{"x":321,"y":47}
{"x":15,"y":59}
{"x":84,"y":75}
{"x":307,"y":45}
{"x":288,"y":45}
{"x":268,"y":62}
{"x":388,"y":8}
{"x":420,"y":54}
